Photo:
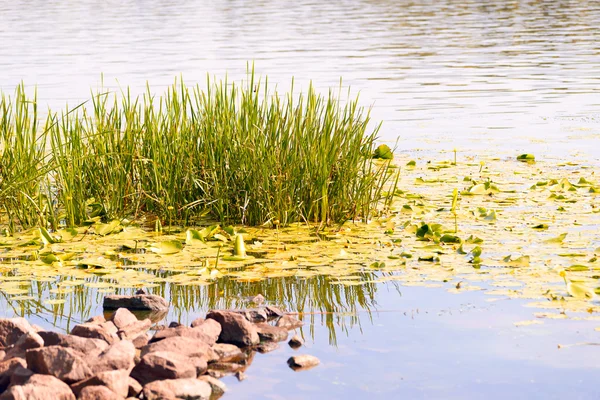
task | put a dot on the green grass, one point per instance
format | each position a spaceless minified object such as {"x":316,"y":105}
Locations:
{"x":238,"y":153}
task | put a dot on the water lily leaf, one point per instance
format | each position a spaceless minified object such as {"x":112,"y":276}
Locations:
{"x":473,"y":240}
{"x":580,"y":291}
{"x":522,"y":261}
{"x":106,"y":229}
{"x":559,"y":239}
{"x":167,"y":247}
{"x":577,"y":267}
{"x":541,"y":227}
{"x":411,"y":163}
{"x":526,"y":157}
{"x":193,"y":237}
{"x":383,"y":152}
{"x":46,"y":237}
{"x":220,"y":237}
{"x":450,"y":239}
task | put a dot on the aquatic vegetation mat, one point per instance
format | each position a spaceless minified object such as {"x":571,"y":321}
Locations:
{"x":511,"y":229}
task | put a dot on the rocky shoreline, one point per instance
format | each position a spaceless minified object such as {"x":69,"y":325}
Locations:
{"x":117,"y":358}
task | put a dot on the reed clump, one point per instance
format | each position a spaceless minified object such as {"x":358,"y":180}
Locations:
{"x":234,"y":152}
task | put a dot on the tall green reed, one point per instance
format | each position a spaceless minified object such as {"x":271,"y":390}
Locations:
{"x":239,"y":152}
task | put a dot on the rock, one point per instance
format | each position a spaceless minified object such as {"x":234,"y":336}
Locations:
{"x":98,"y":393}
{"x":106,"y":331}
{"x":226,"y":368}
{"x":117,"y":381}
{"x":134,"y":329}
{"x":117,"y":356}
{"x":267,"y":347}
{"x":258,"y":299}
{"x":174,"y":324}
{"x":90,"y":347}
{"x":273,"y":312}
{"x":163,"y":365}
{"x":122,"y":317}
{"x":240,"y":376}
{"x":39,"y":387}
{"x":134,"y":387}
{"x":288,"y":322}
{"x":235,"y":329}
{"x":252,"y":314}
{"x":66,"y":364}
{"x":218,"y":388}
{"x":30,"y":340}
{"x":302,"y":362}
{"x":269,"y":333}
{"x":211,"y":328}
{"x":141,"y":341}
{"x":208,"y":332}
{"x":137,"y":302}
{"x":8,"y":368}
{"x":20,"y":375}
{"x":197,"y":322}
{"x":296,"y":342}
{"x":98,"y":319}
{"x":228,"y":352}
{"x":11,"y":329}
{"x":200,"y":364}
{"x":181,"y":345}
{"x":189,"y":389}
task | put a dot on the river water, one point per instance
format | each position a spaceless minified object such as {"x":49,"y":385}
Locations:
{"x":485,"y":77}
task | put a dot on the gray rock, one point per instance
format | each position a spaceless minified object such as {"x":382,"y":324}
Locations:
{"x":269,"y":333}
{"x":302,"y":362}
{"x":296,"y":342}
{"x":288,"y":322}
{"x":138,"y":302}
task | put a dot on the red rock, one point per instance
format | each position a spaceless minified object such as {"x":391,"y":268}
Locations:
{"x":106,"y":331}
{"x":11,"y":329}
{"x":258,"y":299}
{"x":39,"y":387}
{"x":252,"y":314}
{"x":288,"y":322}
{"x":122,"y":317}
{"x":226,"y":368}
{"x":197,"y":322}
{"x":98,"y":393}
{"x":20,"y":375}
{"x":269,"y":333}
{"x":134,"y":329}
{"x":8,"y":368}
{"x":30,"y":340}
{"x":134,"y":387}
{"x":193,"y":333}
{"x":90,"y":347}
{"x":66,"y":364}
{"x":228,"y":353}
{"x":181,"y":345}
{"x":302,"y":362}
{"x":200,"y":364}
{"x":137,"y":302}
{"x":177,"y":389}
{"x":117,"y":356}
{"x":141,"y":340}
{"x":235,"y":329}
{"x":218,"y":388}
{"x":163,"y":365}
{"x":117,"y":381}
{"x":98,"y":319}
{"x":211,"y":328}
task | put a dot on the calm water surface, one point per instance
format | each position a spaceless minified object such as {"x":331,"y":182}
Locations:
{"x":493,"y":77}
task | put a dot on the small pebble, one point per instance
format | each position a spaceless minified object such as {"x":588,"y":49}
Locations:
{"x":296,"y":342}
